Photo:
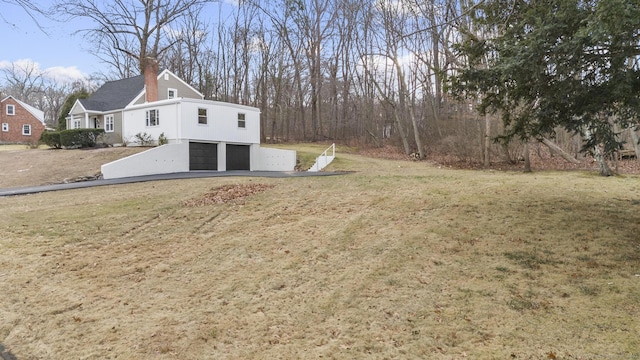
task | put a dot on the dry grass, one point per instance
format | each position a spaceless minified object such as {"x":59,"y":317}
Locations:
{"x":397,"y":260}
{"x":22,"y":167}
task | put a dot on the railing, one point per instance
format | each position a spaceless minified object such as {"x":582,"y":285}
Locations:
{"x":324,"y":159}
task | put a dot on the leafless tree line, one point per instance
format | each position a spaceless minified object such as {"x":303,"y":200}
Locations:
{"x":339,"y":70}
{"x":26,"y":82}
{"x":342,"y":70}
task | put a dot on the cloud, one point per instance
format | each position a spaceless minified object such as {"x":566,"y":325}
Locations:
{"x":64,"y":74}
{"x":58,"y":74}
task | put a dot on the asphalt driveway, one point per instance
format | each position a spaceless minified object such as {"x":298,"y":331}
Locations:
{"x":158,"y":177}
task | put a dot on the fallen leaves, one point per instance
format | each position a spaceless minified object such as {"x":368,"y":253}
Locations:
{"x":226,"y":194}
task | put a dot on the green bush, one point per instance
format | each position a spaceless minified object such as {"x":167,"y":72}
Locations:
{"x":143,"y":139}
{"x":51,"y":139}
{"x":74,"y":138}
{"x":162,"y":140}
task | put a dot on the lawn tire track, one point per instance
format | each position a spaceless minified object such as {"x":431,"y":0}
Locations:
{"x":208,"y":221}
{"x":139,"y":228}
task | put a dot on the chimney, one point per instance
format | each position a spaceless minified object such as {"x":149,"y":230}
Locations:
{"x":151,"y":79}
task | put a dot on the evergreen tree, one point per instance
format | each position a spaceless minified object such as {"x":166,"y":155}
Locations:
{"x":550,"y":63}
{"x":68,"y":104}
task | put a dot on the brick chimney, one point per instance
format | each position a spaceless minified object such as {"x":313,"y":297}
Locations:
{"x":151,"y":79}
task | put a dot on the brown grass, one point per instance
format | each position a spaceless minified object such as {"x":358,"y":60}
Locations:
{"x":21,"y":167}
{"x":397,"y":260}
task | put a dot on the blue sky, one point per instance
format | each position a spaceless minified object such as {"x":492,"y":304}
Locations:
{"x":59,"y":52}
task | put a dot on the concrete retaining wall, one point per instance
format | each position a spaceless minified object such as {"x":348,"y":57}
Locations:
{"x":269,"y":159}
{"x":165,"y":159}
{"x":174,"y":158}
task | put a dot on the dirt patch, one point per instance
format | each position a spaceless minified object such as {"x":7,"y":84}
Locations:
{"x":227,"y":194}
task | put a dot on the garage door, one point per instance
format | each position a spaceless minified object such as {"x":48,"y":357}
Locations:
{"x":238,"y":157}
{"x":203,"y":156}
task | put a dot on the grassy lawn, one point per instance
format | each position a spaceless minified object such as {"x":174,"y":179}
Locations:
{"x":395,"y":260}
{"x":13,"y":147}
{"x":21,"y":166}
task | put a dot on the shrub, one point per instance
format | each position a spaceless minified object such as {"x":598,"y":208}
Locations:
{"x":74,"y":138}
{"x":51,"y":139}
{"x":143,"y":139}
{"x":162,"y":140}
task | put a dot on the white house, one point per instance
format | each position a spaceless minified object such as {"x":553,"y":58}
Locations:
{"x":201,"y":134}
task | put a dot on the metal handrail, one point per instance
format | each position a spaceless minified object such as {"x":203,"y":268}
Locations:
{"x":323,"y":160}
{"x":324,"y":155}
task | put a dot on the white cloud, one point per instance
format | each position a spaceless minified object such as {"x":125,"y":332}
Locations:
{"x":59,"y":74}
{"x":64,"y":74}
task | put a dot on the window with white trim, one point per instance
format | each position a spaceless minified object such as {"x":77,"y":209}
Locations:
{"x":241,"y":121}
{"x":202,"y":116}
{"x":76,"y":124}
{"x":26,"y":129}
{"x":108,"y":123}
{"x":5,"y":127}
{"x":11,"y":109}
{"x":172,"y":94}
{"x":153,"y":117}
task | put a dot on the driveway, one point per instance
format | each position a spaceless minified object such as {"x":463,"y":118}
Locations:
{"x":185,"y":175}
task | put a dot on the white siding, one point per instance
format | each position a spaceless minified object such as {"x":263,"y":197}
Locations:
{"x":135,"y":122}
{"x":222,"y":123}
{"x":179,"y":122}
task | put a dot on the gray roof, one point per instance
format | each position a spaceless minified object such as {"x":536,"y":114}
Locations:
{"x":114,"y":95}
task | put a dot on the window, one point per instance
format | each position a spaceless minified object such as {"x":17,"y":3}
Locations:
{"x":241,"y":122}
{"x":108,"y":123}
{"x":26,"y":129}
{"x":11,"y":109}
{"x":202,"y":116}
{"x":5,"y":127}
{"x":153,"y":117}
{"x":76,"y":124}
{"x":172,"y":94}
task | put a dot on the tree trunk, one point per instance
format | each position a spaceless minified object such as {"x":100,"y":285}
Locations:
{"x":403,"y":134}
{"x":487,"y":141}
{"x":597,"y":154}
{"x":636,"y":146}
{"x":525,"y":154}
{"x":555,"y":148}
{"x":403,"y":95}
{"x":602,"y":163}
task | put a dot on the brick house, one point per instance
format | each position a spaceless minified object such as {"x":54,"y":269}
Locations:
{"x":20,"y":122}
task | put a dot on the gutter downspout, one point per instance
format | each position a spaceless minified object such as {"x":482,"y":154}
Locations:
{"x":122,"y":127}
{"x":179,"y":121}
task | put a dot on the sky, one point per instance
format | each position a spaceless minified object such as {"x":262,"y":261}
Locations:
{"x":62,"y":54}
{"x":55,"y":49}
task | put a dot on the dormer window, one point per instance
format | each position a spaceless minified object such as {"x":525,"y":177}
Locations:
{"x":172,"y":94}
{"x":11,"y":109}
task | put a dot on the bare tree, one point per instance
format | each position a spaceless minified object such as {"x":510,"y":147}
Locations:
{"x":136,"y":29}
{"x":33,"y":10}
{"x":23,"y":80}
{"x":191,"y":58}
